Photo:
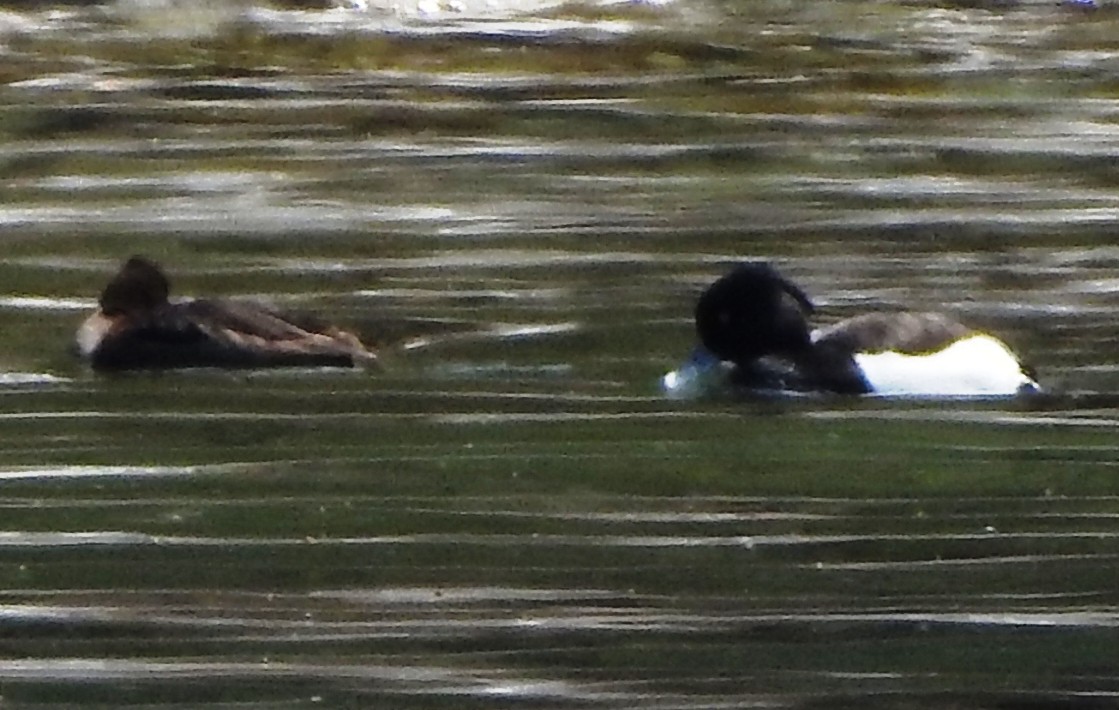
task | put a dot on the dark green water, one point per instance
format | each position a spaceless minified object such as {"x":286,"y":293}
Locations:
{"x":519,"y":205}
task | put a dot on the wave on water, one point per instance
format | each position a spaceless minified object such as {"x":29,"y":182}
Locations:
{"x":195,"y":18}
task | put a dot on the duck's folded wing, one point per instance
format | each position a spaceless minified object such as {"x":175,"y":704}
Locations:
{"x":252,"y":319}
{"x":271,"y":333}
{"x":910,"y":333}
{"x":215,"y":334}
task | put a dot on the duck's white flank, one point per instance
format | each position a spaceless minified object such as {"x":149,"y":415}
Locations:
{"x":971,"y":367}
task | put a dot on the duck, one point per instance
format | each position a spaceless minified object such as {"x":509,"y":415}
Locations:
{"x":753,"y":329}
{"x":138,"y":326}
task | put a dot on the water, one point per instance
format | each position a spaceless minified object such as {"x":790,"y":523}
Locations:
{"x":518,"y":204}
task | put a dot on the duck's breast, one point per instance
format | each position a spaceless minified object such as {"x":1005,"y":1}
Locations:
{"x":92,"y":333}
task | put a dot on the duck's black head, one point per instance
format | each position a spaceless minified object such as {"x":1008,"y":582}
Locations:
{"x":752,"y":312}
{"x":139,"y":286}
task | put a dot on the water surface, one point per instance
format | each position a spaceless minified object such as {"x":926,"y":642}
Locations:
{"x":518,"y":204}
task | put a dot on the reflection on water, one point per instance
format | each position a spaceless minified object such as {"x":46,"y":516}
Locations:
{"x":519,"y":205}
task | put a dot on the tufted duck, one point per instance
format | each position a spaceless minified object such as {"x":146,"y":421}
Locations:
{"x":753,"y":331}
{"x":138,"y":327}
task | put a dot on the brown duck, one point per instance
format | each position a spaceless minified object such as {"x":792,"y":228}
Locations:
{"x":138,"y":327}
